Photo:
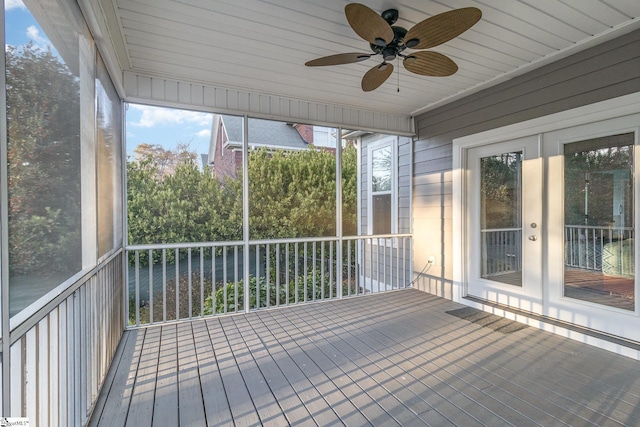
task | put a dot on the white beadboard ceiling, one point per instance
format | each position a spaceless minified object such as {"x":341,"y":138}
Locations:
{"x":261,"y":46}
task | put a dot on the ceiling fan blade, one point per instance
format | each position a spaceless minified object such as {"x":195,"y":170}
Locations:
{"x":376,"y":76}
{"x":441,"y":28}
{"x":430,"y":64}
{"x":368,"y":24}
{"x":341,"y":58}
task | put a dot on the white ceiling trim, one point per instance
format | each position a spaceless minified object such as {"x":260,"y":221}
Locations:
{"x":181,"y":94}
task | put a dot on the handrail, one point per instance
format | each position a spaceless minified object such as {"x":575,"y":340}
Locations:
{"x":185,"y":245}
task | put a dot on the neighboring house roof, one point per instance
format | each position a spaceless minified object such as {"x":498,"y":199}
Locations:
{"x":264,"y":133}
{"x":227,"y":130}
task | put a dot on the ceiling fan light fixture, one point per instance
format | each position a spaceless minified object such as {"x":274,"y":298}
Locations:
{"x":412,"y":43}
{"x":389,"y":53}
{"x":410,"y":59}
{"x":380,"y":42}
{"x":383,"y":66}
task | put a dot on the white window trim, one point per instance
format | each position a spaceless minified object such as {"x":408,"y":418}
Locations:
{"x":389,"y":141}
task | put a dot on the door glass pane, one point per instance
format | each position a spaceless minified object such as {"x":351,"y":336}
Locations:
{"x":599,"y":231}
{"x":382,"y":214}
{"x":501,"y":218}
{"x":381,"y":169}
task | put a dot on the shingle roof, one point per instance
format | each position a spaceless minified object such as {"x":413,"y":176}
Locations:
{"x":264,"y":132}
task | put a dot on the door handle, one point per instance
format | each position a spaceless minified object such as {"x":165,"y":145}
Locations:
{"x":533,"y":238}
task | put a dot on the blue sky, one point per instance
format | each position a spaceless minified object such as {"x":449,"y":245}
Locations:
{"x":152,"y":125}
{"x":168,"y":127}
{"x":20,"y":27}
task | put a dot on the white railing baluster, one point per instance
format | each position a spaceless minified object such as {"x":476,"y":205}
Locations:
{"x":150,"y":285}
{"x":177,"y":265}
{"x":313,"y":283}
{"x":201,"y":281}
{"x":164,"y":285}
{"x":189,"y":284}
{"x":235,"y":279}
{"x":286,"y":273}
{"x":277,"y":274}
{"x":348,"y":267}
{"x":367,"y":258}
{"x":257,"y":276}
{"x":306,"y":271}
{"x":137,"y":287}
{"x":268,"y":261}
{"x":331,"y":269}
{"x":225,"y":307}
{"x":297,"y":272}
{"x":322,"y":270}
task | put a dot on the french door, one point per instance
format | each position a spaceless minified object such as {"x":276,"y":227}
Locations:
{"x":550,"y":224}
{"x":592,"y":196}
{"x":504,"y":253}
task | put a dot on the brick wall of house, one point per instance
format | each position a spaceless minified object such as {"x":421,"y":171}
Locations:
{"x":227,"y":160}
{"x":306,"y":132}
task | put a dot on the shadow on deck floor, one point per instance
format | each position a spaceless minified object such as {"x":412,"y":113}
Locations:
{"x":388,"y":359}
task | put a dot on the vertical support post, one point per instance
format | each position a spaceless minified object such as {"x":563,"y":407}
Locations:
{"x":245,"y":212}
{"x":5,"y":392}
{"x":339,"y":220}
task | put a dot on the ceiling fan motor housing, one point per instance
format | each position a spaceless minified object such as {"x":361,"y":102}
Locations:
{"x":393,"y":49}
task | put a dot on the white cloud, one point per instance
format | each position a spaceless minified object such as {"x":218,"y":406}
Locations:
{"x":13,"y":4}
{"x":204,"y":133}
{"x":154,"y":116}
{"x":42,"y":42}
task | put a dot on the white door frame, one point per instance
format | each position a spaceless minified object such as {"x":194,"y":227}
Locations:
{"x":528,"y":296}
{"x":604,"y":110}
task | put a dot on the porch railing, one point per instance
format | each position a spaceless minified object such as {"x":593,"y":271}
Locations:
{"x":597,"y":248}
{"x":170,"y":282}
{"x":502,"y":251}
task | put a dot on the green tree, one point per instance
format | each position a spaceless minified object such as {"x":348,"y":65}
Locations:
{"x":291,"y":195}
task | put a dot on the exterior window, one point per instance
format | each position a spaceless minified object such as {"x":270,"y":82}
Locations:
{"x":382,"y":190}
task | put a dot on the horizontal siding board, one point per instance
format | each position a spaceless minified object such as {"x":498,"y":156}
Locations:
{"x":431,"y":166}
{"x":590,"y":60}
{"x":587,"y":71}
{"x":436,"y":153}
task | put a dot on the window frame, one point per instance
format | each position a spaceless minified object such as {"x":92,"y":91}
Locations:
{"x":391,"y":142}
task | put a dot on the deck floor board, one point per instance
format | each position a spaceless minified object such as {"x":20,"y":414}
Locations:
{"x":390,"y":359}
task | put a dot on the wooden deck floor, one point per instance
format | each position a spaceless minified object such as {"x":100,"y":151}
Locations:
{"x":389,"y":359}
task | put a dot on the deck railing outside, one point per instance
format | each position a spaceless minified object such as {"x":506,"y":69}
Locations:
{"x":169,"y":282}
{"x":594,"y":248}
{"x":598,"y":248}
{"x":502,"y":251}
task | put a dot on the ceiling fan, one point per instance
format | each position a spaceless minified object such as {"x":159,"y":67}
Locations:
{"x":391,"y":41}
